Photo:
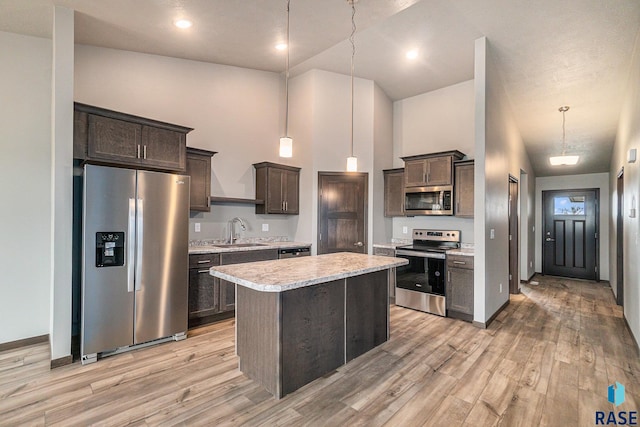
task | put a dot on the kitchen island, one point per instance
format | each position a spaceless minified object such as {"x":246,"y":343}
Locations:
{"x":298,"y":319}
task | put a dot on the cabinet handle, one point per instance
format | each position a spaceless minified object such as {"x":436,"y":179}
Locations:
{"x":283,"y":205}
{"x":144,"y":151}
{"x":286,"y":206}
{"x":204,"y":262}
{"x":202,"y":271}
{"x":459,"y":262}
{"x":138,"y":152}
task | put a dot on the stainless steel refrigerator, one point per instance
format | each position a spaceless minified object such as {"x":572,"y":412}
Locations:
{"x":135,"y":259}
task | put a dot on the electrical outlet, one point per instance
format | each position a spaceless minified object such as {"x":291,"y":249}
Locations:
{"x":405,"y":230}
{"x":197,"y":227}
{"x":492,"y":235}
{"x":265,"y":227}
{"x":500,"y":287}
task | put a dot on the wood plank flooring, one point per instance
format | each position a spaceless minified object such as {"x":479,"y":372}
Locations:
{"x":546,"y":360}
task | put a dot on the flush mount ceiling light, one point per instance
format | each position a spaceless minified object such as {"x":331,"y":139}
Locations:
{"x":563,"y":159}
{"x":352,"y":161}
{"x":286,"y":143}
{"x":183,"y":23}
{"x":412,"y":54}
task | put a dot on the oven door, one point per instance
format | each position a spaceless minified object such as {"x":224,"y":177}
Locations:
{"x":424,"y":273}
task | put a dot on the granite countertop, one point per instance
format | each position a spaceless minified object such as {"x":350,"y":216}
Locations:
{"x":213,"y":249}
{"x":292,"y":273}
{"x":465,"y":250}
{"x":393,"y":244}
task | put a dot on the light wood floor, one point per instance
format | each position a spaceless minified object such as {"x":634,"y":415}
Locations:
{"x":546,"y":360}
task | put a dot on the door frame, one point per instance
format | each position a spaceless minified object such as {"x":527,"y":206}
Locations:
{"x":597,"y":225}
{"x":620,"y":240}
{"x":365,"y":175}
{"x":514,"y":280}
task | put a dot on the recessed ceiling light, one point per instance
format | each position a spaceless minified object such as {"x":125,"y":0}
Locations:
{"x":281,"y":46}
{"x":412,"y":54}
{"x":183,"y":23}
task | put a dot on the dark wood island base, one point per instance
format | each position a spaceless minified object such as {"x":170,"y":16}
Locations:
{"x":288,"y":339}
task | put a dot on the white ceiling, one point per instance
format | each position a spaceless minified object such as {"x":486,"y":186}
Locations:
{"x":550,"y":53}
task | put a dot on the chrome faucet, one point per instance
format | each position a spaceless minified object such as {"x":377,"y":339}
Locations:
{"x":232,"y":235}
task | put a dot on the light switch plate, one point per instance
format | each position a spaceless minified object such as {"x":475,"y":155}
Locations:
{"x":492,"y":233}
{"x":405,"y":230}
{"x":197,"y":227}
{"x":265,"y":227}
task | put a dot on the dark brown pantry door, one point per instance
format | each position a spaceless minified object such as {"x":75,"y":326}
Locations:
{"x":342,"y":212}
{"x":570,"y":233}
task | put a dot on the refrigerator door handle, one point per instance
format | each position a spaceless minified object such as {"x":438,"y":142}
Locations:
{"x":131,"y":247}
{"x":139,"y":245}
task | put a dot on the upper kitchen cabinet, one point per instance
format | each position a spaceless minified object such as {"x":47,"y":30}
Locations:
{"x":430,"y":169}
{"x":279,"y":187}
{"x":393,"y":194}
{"x":464,"y":189}
{"x":110,"y":137}
{"x":199,"y":169}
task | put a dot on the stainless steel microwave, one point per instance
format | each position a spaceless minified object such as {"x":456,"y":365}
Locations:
{"x":428,"y":200}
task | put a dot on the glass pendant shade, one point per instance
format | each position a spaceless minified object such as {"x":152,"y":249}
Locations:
{"x":352,"y":164}
{"x":286,"y":147}
{"x":563,"y":160}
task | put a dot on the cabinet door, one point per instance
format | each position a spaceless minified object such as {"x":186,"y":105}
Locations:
{"x":393,"y":194}
{"x":113,"y":140}
{"x":439,"y":170}
{"x":227,"y":296}
{"x":199,"y":169}
{"x":203,"y":293}
{"x":415,"y":173}
{"x":162,"y":148}
{"x":464,"y":190}
{"x":292,"y":180}
{"x":460,"y":290}
{"x":275,"y":190}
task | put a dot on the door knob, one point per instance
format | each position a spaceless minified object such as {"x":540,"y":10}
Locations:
{"x":549,"y":239}
{"x":358,"y":244}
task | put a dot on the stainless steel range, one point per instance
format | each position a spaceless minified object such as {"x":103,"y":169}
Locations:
{"x":421,"y":284}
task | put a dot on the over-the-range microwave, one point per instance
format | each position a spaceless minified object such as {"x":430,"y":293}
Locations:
{"x":428,"y":200}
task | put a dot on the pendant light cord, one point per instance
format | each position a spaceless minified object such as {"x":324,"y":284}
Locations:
{"x":286,"y":79}
{"x":564,"y":144}
{"x":353,"y":54}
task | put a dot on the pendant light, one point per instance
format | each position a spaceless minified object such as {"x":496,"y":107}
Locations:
{"x":563,"y":159}
{"x":286,"y":143}
{"x":352,"y":161}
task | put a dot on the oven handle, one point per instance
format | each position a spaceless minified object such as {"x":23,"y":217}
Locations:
{"x":420,"y":254}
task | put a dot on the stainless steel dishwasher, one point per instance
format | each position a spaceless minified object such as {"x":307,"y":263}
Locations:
{"x":293,"y":253}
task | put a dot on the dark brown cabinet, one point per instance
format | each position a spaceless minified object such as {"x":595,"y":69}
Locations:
{"x":464,"y":189}
{"x":204,"y":299}
{"x":110,"y":137}
{"x":430,"y":169}
{"x":279,"y":187}
{"x":393,"y":192}
{"x":199,"y":169}
{"x":228,"y":289}
{"x":459,"y":290}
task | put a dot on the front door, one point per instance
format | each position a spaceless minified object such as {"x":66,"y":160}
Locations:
{"x":569,"y":229}
{"x":342,"y":212}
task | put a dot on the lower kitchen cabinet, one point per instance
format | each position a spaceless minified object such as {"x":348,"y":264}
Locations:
{"x":459,"y":290}
{"x":204,"y":289}
{"x":392,"y":271}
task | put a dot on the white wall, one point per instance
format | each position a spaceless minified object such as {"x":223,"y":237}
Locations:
{"x":382,"y":159}
{"x":571,"y":182}
{"x":628,"y":137}
{"x":436,"y":121}
{"x":500,"y":153}
{"x":25,"y":171}
{"x":235,"y":111}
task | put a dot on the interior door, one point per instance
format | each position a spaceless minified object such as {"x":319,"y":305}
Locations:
{"x":162,"y":286}
{"x":342,"y":212}
{"x":570,"y":233}
{"x":514,"y":277}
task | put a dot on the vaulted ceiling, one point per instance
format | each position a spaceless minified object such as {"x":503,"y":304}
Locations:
{"x":549,"y":53}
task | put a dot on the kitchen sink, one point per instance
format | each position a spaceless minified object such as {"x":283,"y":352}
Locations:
{"x":239,"y":245}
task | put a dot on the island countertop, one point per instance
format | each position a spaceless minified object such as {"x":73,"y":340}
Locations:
{"x":286,"y":274}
